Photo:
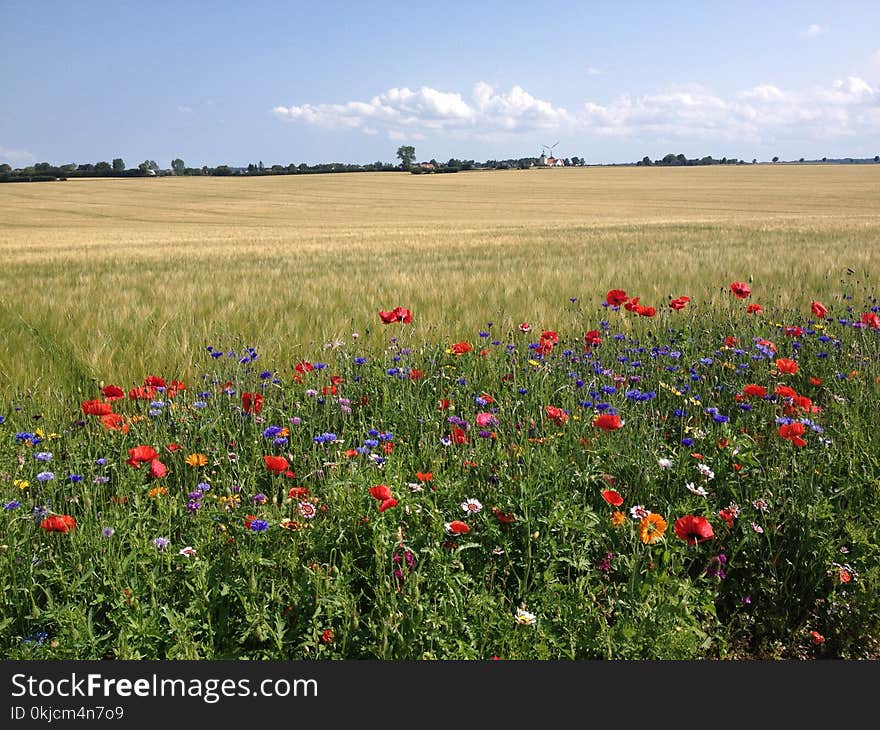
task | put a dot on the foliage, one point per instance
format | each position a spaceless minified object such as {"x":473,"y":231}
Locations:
{"x":240,"y":515}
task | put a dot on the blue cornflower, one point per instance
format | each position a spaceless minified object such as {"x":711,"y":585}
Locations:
{"x":74,"y":478}
{"x":259,"y":525}
{"x":43,"y":456}
{"x":14,"y":504}
{"x":271,"y":432}
{"x":687,"y":441}
{"x":45,"y":476}
{"x":200,"y":404}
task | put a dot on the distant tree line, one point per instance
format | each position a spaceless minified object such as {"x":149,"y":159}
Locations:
{"x":679,"y":160}
{"x":45,"y":172}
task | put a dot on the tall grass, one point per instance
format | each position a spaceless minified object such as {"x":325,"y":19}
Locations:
{"x":108,"y":278}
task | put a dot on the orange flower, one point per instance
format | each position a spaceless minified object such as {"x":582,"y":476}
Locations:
{"x":618,"y":518}
{"x":651,"y":529}
{"x":196,"y":460}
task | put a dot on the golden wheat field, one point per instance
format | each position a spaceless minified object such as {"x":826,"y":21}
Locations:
{"x":112,"y":279}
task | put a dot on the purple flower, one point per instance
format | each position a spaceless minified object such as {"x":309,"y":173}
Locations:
{"x":161,"y":543}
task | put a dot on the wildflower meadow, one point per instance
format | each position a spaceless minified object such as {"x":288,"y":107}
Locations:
{"x":688,"y":477}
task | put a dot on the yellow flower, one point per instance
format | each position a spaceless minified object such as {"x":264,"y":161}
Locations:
{"x":617,"y":518}
{"x":21,"y":483}
{"x":196,"y":460}
{"x":651,"y":529}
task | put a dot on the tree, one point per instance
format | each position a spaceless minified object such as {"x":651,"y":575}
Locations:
{"x":178,"y":166}
{"x":876,"y":158}
{"x":103,"y":166}
{"x":775,"y":159}
{"x":406,"y":153}
{"x":576,"y":161}
{"x":118,"y":164}
{"x":5,"y":167}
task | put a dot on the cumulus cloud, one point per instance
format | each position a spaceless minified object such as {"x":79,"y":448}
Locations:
{"x":404,"y":111}
{"x":846,"y":106}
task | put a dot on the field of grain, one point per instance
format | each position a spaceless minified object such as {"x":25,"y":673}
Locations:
{"x":111,"y":279}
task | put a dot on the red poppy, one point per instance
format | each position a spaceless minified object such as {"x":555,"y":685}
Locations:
{"x":415,"y":374}
{"x":767,"y":344}
{"x":96,"y":408}
{"x":740,"y":289}
{"x":424,"y":476}
{"x":398,"y":314}
{"x":607,"y":422}
{"x":459,"y":436}
{"x":818,"y":309}
{"x":631,"y":304}
{"x":616,"y":297}
{"x":758,"y":391}
{"x":505,"y":518}
{"x":545,"y":347}
{"x":114,"y":422}
{"x":612,"y":497}
{"x":872,"y":320}
{"x":248,"y":520}
{"x":730,"y":341}
{"x":817,"y":638}
{"x":726,"y":515}
{"x":297,"y":492}
{"x":275,"y":464}
{"x":550,"y":335}
{"x":252,"y":402}
{"x":443,"y":404}
{"x":793,"y":432}
{"x":557,"y":415}
{"x":172,"y":447}
{"x":792,"y":331}
{"x":142,"y":393}
{"x":525,"y":327}
{"x":815,"y":381}
{"x":592,"y":338}
{"x":304,"y":366}
{"x":140,"y":454}
{"x":387,"y":504}
{"x":176,"y":385}
{"x":112,"y":392}
{"x":693,"y":529}
{"x":679,"y":303}
{"x":784,"y":365}
{"x":157,"y":469}
{"x":784,"y":391}
{"x":457,"y":527}
{"x":644,"y":311}
{"x":154,"y":381}
{"x":58,"y":523}
{"x":460,"y":348}
{"x":380,"y":492}
{"x":754,"y":309}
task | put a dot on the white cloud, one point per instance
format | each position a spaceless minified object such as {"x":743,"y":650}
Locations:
{"x":404,"y":111}
{"x":183,"y":109}
{"x":845,"y":107}
{"x":16,"y":157}
{"x":812,"y":31}
{"x":593,"y":71}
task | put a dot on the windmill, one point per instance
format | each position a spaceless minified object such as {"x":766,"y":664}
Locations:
{"x":548,"y":152}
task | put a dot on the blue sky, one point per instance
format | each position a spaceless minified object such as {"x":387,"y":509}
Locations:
{"x":281,"y":82}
